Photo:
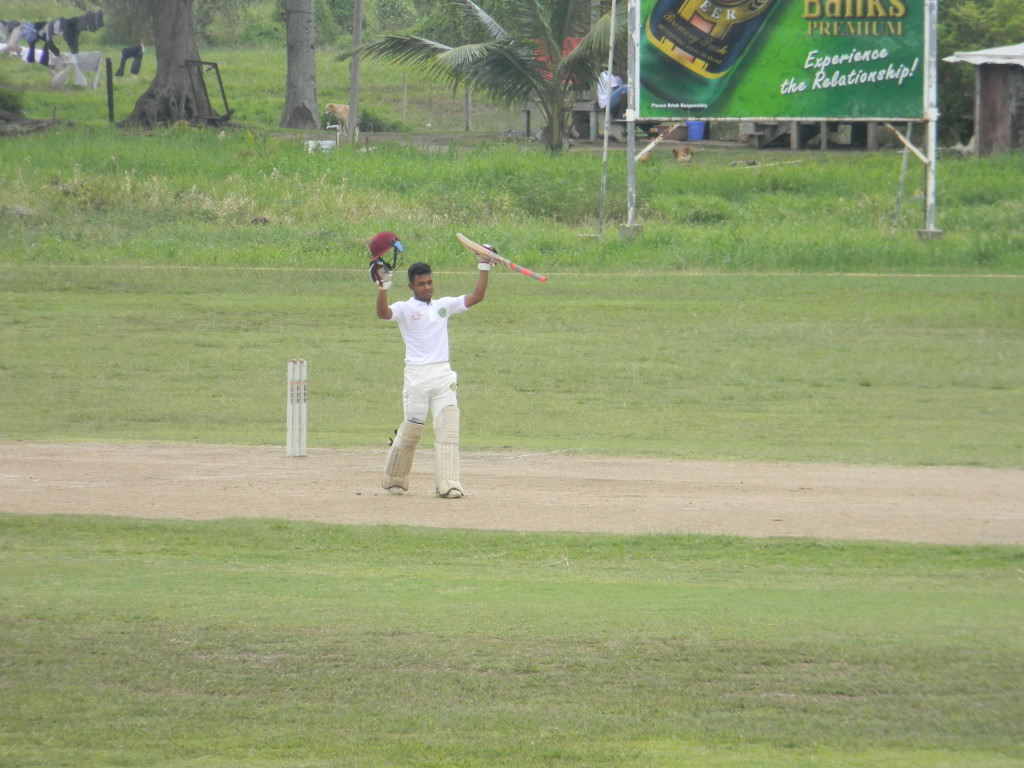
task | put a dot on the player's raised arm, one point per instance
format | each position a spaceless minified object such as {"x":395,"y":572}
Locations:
{"x":480,"y":289}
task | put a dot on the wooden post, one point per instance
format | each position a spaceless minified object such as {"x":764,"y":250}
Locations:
{"x":110,"y":89}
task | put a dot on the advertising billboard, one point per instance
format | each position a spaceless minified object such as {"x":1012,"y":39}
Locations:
{"x":781,"y":59}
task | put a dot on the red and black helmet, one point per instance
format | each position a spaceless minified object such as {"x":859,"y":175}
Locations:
{"x":381,"y":266}
{"x":382,"y":242}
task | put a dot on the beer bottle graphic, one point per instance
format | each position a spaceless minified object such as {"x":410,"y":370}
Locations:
{"x":691,"y":47}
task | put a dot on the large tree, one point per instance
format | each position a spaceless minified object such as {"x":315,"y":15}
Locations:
{"x":178,"y":91}
{"x":550,"y":50}
{"x":300,"y":107}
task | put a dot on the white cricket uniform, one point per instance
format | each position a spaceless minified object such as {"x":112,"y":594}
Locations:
{"x":430,"y":383}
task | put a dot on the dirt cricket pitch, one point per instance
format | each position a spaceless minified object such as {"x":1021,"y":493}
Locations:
{"x":520,"y":492}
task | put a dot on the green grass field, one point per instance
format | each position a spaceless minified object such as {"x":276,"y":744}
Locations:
{"x":154,"y":286}
{"x":266,"y":643}
{"x":900,"y":370}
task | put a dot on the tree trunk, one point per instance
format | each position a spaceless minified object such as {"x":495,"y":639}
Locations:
{"x":178,"y":91}
{"x":300,"y":107}
{"x":556,"y":107}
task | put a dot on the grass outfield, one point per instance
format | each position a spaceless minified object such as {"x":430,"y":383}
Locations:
{"x":826,"y":368}
{"x":267,"y":643}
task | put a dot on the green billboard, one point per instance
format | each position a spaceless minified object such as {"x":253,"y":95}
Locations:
{"x":781,"y":59}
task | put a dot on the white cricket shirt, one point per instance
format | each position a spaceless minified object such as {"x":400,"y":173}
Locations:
{"x":425,"y":327}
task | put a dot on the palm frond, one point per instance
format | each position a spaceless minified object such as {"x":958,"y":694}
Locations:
{"x":478,"y":15}
{"x":550,"y":49}
{"x":505,"y":70}
{"x":595,"y":42}
{"x":589,"y":59}
{"x":403,"y":49}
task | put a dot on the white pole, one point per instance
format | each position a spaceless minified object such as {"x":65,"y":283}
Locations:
{"x":633,"y":70}
{"x":931,"y":105}
{"x":607,"y":123}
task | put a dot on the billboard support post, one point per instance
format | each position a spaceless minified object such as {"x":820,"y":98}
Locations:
{"x":631,"y":109}
{"x":931,"y":113}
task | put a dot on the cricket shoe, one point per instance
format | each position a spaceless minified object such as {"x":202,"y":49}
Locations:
{"x":451,"y":493}
{"x":396,"y":490}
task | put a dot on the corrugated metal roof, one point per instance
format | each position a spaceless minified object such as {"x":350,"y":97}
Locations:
{"x":1007,"y":54}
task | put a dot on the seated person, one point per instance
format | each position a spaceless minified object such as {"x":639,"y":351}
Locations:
{"x":612,"y":90}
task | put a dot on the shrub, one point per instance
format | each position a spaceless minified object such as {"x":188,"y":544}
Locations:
{"x":371,"y":121}
{"x":10,"y":101}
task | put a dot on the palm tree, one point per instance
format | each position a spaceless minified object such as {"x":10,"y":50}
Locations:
{"x":550,"y":50}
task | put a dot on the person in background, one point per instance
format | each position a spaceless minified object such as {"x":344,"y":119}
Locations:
{"x":612,"y":90}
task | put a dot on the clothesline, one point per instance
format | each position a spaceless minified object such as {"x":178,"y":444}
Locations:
{"x":32,"y":32}
{"x":73,"y":65}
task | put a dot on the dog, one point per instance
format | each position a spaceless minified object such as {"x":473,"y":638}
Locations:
{"x":340,"y":112}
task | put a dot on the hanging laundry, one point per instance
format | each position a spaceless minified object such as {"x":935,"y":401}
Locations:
{"x":72,"y":31}
{"x":74,"y":68}
{"x":93,"y":21}
{"x":75,"y":26}
{"x":133,"y":52}
{"x":46,"y":34}
{"x":7,"y":27}
{"x":30,"y":34}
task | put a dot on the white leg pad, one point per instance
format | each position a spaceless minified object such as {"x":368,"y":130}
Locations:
{"x":446,"y":451}
{"x":400,"y":456}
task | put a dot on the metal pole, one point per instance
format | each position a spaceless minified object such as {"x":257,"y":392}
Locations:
{"x":607,"y":123}
{"x":633,"y":69}
{"x":931,"y":103}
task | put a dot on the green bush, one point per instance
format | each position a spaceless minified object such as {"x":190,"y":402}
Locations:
{"x":10,"y":100}
{"x":370,"y":121}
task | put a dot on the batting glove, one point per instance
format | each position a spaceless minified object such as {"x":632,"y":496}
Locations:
{"x":486,"y":259}
{"x":380,"y":273}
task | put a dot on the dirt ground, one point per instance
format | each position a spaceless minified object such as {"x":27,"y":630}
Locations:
{"x":521,"y":492}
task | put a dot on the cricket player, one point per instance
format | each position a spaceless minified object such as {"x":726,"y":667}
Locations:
{"x":430,"y":385}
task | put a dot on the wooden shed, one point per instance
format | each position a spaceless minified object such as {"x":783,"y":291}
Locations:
{"x":998,"y":97}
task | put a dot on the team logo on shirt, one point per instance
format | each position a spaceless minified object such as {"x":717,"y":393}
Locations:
{"x":416,"y":317}
{"x":442,"y":312}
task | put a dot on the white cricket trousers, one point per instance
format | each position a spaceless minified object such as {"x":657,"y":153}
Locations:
{"x":428,"y":389}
